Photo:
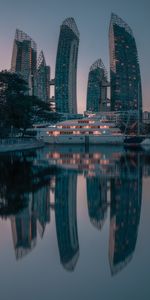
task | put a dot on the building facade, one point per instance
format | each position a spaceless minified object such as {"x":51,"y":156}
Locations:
{"x":97,"y":88}
{"x":126,"y":91}
{"x":24,"y":59}
{"x":43,"y":79}
{"x":66,"y":68}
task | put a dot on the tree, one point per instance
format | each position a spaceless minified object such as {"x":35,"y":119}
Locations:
{"x":17,"y":108}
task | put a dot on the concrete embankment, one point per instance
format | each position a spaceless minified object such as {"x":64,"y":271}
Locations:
{"x":14,"y":144}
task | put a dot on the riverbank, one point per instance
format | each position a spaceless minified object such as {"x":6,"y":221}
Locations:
{"x":17,"y":144}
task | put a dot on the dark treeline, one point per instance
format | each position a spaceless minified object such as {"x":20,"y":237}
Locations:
{"x":19,"y":110}
{"x":20,"y":176}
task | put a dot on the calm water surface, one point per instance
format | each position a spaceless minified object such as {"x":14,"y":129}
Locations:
{"x":74,"y":224}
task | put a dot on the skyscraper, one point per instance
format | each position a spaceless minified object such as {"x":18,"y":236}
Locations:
{"x":66,"y":67}
{"x":43,"y":79}
{"x":24,"y":59}
{"x":97,"y":87}
{"x":126,"y":92}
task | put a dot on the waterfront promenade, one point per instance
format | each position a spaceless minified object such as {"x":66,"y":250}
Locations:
{"x":14,"y":144}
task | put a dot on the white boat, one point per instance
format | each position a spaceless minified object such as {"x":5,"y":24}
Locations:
{"x":82,"y":131}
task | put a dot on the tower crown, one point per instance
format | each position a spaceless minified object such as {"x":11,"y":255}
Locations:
{"x":116,"y":20}
{"x":22,"y":36}
{"x":70,"y":22}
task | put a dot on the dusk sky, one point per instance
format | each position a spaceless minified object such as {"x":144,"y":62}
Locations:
{"x":42,"y":20}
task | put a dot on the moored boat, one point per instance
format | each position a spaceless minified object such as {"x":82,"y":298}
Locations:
{"x":82,"y":131}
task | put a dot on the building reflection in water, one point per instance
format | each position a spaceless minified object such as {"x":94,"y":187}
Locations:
{"x":97,"y":200}
{"x":25,"y":190}
{"x":24,"y":232}
{"x":125,"y":209}
{"x":122,"y":173}
{"x":66,"y":219}
{"x":25,"y":224}
{"x":113,"y":179}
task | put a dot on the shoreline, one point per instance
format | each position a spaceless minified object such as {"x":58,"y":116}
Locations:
{"x":20,"y":145}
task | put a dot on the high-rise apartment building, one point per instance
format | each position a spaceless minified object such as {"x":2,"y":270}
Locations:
{"x":24,"y":59}
{"x":43,"y":79}
{"x":97,"y":87}
{"x":126,"y":92}
{"x":66,"y":67}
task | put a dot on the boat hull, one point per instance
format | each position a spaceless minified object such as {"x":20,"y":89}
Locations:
{"x":100,"y":140}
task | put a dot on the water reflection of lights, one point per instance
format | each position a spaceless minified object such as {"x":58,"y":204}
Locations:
{"x":92,"y":163}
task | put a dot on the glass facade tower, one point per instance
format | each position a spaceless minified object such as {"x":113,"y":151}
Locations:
{"x":126,"y":92}
{"x":43,"y":79}
{"x":97,"y":88}
{"x":66,"y":67}
{"x":24,"y":59}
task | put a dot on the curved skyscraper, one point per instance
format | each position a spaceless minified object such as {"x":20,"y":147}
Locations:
{"x":126,"y":92}
{"x":97,"y":87}
{"x":66,"y":67}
